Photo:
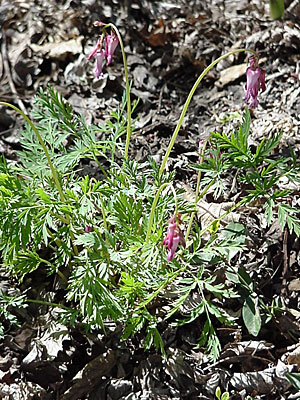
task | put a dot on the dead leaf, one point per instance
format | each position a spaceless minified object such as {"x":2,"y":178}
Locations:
{"x":230,"y":74}
{"x":208,"y":212}
{"x":59,"y":49}
{"x":160,"y":35}
{"x":294,"y":285}
{"x":90,"y":375}
{"x":294,"y":356}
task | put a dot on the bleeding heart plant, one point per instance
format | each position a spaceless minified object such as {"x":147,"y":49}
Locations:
{"x":104,"y":237}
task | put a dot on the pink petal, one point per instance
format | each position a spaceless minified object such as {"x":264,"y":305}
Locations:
{"x":111,"y":42}
{"x":95,"y":49}
{"x":100,"y":57}
{"x":173,"y":248}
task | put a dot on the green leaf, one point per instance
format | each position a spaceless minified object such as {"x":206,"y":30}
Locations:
{"x":245,"y":279}
{"x":294,"y":379}
{"x":25,"y":262}
{"x":276,"y":9}
{"x":42,"y":195}
{"x":251,"y":315}
{"x":195,"y":313}
{"x":90,"y":240}
{"x":234,"y":230}
{"x":153,"y":337}
{"x":210,"y":338}
{"x":45,"y":234}
{"x":269,"y":210}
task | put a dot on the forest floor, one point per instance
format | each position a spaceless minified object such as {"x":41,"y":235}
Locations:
{"x":168,"y":44}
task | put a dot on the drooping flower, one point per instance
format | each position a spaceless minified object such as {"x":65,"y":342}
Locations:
{"x":88,"y":229}
{"x":100,"y":58}
{"x":255,"y":82}
{"x":111,"y":42}
{"x":174,"y":236}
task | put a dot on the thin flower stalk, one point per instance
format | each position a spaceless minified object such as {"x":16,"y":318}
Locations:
{"x":128,"y":135}
{"x":110,"y":46}
{"x":189,"y":98}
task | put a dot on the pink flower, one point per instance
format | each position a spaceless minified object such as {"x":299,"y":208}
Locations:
{"x":174,"y":236}
{"x":100,"y":58}
{"x":88,"y":229}
{"x":111,"y":42}
{"x":96,"y":48}
{"x":255,"y":81}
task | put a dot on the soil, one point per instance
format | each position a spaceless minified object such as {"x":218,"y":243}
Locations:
{"x":168,"y":44}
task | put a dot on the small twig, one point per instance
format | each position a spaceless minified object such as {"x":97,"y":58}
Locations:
{"x":8,"y":73}
{"x":284,"y":290}
{"x":6,"y":131}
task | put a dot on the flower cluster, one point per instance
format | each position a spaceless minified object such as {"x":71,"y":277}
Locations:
{"x":103,"y":51}
{"x":174,"y":236}
{"x":255,"y":81}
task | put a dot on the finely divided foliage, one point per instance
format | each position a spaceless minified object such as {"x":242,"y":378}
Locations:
{"x":103,"y":236}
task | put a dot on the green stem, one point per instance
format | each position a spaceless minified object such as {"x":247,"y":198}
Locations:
{"x":128,"y":135}
{"x":175,"y":200}
{"x":188,"y":100}
{"x":276,"y":8}
{"x":99,"y":164}
{"x":104,"y":221}
{"x":47,"y":303}
{"x":199,"y":196}
{"x":153,"y":210}
{"x":42,"y":143}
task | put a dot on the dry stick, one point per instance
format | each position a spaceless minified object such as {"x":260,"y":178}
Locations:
{"x":8,"y":73}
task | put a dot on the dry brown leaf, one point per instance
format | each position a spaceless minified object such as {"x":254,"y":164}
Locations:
{"x":59,"y":49}
{"x":294,"y":285}
{"x":230,"y":74}
{"x":294,"y":356}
